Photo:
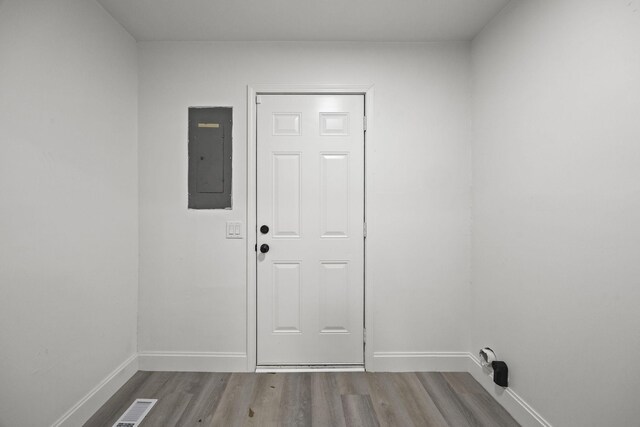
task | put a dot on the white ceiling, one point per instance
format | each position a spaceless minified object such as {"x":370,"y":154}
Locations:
{"x":303,"y":20}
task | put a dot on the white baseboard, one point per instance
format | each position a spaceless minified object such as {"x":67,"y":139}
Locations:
{"x":514,"y":404}
{"x":98,"y":396}
{"x":415,"y":361}
{"x":192,"y":362}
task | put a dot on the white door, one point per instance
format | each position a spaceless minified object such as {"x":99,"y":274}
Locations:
{"x":310,"y":195}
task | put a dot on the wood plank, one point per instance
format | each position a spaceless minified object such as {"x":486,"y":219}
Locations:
{"x":400,"y":399}
{"x":418,"y":404}
{"x":454,"y":411}
{"x":235,"y":403}
{"x":326,"y":404}
{"x":265,"y":402}
{"x":352,"y":382}
{"x":173,"y":398}
{"x":358,"y":411}
{"x":485,"y":410}
{"x":463,"y":382}
{"x":207,"y":394}
{"x":384,"y":400}
{"x":295,"y":405}
{"x":168,"y":410}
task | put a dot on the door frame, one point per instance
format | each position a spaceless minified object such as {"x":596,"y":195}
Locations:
{"x":251,"y":230}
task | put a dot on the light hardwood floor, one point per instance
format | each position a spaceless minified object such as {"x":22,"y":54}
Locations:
{"x":308,"y":399}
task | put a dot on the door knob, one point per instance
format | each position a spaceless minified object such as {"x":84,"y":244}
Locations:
{"x":264,"y":229}
{"x":264,"y":248}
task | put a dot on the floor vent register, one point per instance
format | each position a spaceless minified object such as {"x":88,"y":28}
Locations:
{"x":133,"y":416}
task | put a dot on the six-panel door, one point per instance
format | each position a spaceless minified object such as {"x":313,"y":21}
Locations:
{"x":310,"y":182}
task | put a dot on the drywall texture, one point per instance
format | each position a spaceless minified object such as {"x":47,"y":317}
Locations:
{"x":68,"y":222}
{"x":193,"y":280}
{"x":556,"y":202}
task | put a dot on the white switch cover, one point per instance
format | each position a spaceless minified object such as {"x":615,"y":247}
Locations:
{"x":234,"y":230}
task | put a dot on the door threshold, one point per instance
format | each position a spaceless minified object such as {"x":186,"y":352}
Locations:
{"x":266,"y":369}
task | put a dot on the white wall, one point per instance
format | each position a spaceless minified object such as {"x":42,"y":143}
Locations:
{"x":556,"y":205}
{"x":193,"y":280}
{"x":68,"y":211}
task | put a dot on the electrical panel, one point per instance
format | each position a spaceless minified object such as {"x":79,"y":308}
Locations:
{"x":210,"y":130}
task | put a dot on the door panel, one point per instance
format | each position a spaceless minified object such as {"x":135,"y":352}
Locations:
{"x":310,"y":182}
{"x":334,"y":298}
{"x":286,"y":297}
{"x":286,"y":195}
{"x":334,"y":190}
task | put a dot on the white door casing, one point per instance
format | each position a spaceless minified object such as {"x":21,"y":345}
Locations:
{"x":310,"y":193}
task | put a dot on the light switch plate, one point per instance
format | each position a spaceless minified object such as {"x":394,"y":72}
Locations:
{"x":234,"y":230}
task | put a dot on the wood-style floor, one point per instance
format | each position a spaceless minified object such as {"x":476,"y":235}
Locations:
{"x":308,"y":399}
